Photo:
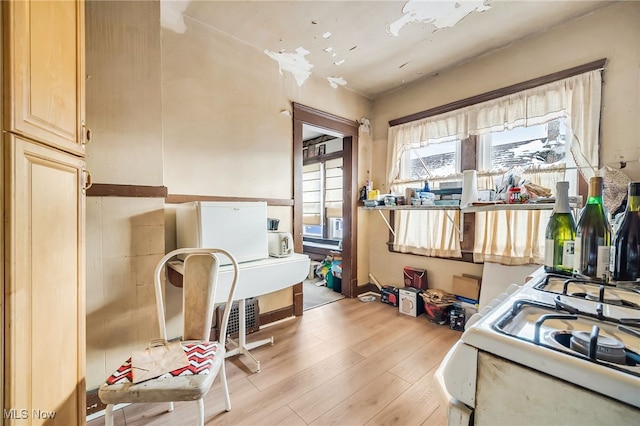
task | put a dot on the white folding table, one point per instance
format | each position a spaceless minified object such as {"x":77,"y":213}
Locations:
{"x":256,"y":278}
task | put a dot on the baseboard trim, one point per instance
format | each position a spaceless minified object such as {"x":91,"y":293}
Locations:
{"x":367,"y":288}
{"x":276,"y":315}
{"x":94,"y":404}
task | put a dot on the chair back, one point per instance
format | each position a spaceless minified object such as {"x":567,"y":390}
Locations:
{"x":198,"y":295}
{"x":200,"y":283}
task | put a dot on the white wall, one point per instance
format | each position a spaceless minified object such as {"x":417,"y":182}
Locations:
{"x":223,"y":129}
{"x":125,"y":236}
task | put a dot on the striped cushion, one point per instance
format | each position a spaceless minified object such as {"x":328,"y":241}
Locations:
{"x":200,"y":355}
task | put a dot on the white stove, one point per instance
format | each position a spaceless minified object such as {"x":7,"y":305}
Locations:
{"x":573,"y":342}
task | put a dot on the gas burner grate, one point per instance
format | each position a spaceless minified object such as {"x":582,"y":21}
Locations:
{"x":591,"y":290}
{"x":564,"y":328}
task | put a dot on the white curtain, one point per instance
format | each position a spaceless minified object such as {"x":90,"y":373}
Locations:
{"x":510,"y":237}
{"x":428,"y":232}
{"x":576,"y":98}
{"x":514,"y":237}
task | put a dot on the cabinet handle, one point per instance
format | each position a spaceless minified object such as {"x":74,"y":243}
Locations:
{"x":87,"y":180}
{"x":87,"y":133}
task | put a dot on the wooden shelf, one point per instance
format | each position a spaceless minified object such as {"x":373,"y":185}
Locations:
{"x":473,"y":209}
{"x":501,"y":207}
{"x":407,"y":207}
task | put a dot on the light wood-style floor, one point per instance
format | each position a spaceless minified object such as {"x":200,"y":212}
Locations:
{"x":344,"y":363}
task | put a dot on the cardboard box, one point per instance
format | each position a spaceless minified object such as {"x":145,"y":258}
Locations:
{"x":411,"y":302}
{"x":466,"y":286}
{"x":415,"y":277}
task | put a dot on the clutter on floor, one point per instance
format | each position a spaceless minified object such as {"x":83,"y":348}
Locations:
{"x":452,"y":304}
{"x":330,"y":270}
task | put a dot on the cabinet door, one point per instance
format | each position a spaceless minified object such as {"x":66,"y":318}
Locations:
{"x":44,"y":59}
{"x":44,"y":285}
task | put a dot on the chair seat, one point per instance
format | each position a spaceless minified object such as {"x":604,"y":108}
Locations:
{"x":185,"y":384}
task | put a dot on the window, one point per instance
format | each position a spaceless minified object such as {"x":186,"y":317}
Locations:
{"x":541,"y":148}
{"x":540,"y":144}
{"x":322,"y":196}
{"x":433,"y":160}
{"x":530,"y":131}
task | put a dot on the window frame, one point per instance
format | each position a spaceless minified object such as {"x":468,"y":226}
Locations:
{"x":469,"y":157}
{"x":321,"y":160}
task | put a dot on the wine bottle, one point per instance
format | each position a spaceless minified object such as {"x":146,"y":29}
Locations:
{"x":560,"y":234}
{"x":625,"y":249}
{"x":593,"y":236}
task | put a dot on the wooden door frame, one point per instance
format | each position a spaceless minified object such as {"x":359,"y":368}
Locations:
{"x":349,"y":129}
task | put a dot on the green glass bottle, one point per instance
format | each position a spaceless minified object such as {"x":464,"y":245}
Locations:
{"x":593,"y":236}
{"x":560,"y":234}
{"x":625,"y":249}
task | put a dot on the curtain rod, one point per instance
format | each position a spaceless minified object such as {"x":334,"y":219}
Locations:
{"x":494,"y":94}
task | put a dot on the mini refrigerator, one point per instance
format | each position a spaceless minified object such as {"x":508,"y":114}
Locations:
{"x":238,"y":227}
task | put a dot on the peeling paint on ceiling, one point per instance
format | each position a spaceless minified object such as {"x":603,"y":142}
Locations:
{"x":171,"y":15}
{"x":442,"y":14}
{"x":336,"y":81}
{"x":295,"y":63}
{"x":361,"y":32}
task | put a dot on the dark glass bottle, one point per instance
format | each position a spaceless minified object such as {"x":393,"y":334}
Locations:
{"x":560,"y":234}
{"x":593,"y":236}
{"x":625,"y":249}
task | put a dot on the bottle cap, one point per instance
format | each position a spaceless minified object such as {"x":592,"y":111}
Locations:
{"x":595,"y":186}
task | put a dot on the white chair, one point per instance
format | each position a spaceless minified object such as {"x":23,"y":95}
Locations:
{"x":206,"y":357}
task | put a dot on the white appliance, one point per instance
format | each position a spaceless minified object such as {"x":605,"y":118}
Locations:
{"x":335,"y":228}
{"x":280,"y":244}
{"x":557,"y":350}
{"x":238,"y":227}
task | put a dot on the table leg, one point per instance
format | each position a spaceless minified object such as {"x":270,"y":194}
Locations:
{"x":244,"y":347}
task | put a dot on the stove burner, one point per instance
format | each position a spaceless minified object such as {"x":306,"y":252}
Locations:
{"x":625,"y":296}
{"x":611,"y":299}
{"x":585,"y":332}
{"x":607,"y":349}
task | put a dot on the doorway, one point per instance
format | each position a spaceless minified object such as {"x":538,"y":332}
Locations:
{"x":304,"y":120}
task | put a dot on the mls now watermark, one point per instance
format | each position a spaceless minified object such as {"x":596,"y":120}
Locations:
{"x":23,"y":414}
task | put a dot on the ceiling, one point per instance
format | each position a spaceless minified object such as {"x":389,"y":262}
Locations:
{"x":373,"y":47}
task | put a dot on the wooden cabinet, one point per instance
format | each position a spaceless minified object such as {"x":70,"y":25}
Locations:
{"x":44,"y":51}
{"x":43,"y":204}
{"x":44,"y":282}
